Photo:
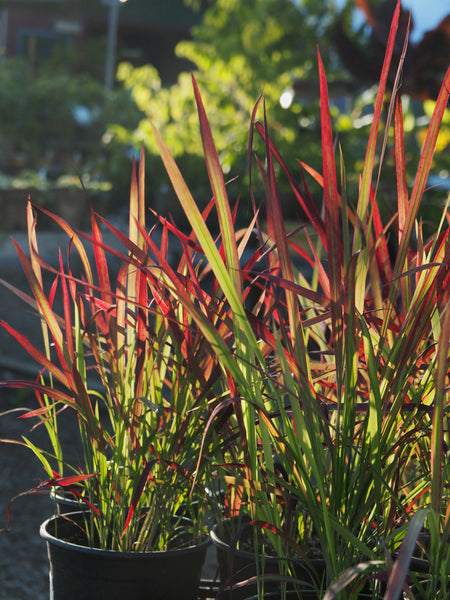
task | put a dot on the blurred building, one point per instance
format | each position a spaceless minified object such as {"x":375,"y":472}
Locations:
{"x":148,"y":30}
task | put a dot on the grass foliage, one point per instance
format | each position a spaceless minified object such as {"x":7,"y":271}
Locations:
{"x":308,"y":373}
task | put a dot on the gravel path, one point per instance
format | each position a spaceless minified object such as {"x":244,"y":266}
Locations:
{"x":23,"y":555}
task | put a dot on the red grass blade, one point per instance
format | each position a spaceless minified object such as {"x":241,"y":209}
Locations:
{"x":423,"y":170}
{"x":331,"y":205}
{"x":100,"y":261}
{"x":73,"y":236}
{"x":53,"y":393}
{"x":306,"y":202}
{"x":276,"y":224}
{"x":67,"y":312}
{"x":44,"y":308}
{"x":366,"y":180}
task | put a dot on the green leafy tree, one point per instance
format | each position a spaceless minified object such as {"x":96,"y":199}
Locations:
{"x":240,"y":50}
{"x":41,"y":131}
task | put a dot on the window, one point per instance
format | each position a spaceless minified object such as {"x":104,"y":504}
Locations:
{"x":39,"y":45}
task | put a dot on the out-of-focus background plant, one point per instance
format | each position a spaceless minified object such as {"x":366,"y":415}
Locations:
{"x":238,"y":51}
{"x":53,"y":123}
{"x":59,"y":120}
{"x":241,"y":49}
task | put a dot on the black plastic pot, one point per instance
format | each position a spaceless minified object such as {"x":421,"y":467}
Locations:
{"x":66,"y":502}
{"x":293,"y":595}
{"x":81,"y":573}
{"x":290,"y":595}
{"x":237,"y":565}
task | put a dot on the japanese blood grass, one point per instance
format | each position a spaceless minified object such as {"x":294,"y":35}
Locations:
{"x":398,"y":570}
{"x":131,"y":380}
{"x":383,"y":355}
{"x":333,"y":384}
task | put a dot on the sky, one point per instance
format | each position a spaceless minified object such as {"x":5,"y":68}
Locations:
{"x":426,"y":14}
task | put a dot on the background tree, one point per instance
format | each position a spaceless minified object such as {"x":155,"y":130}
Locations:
{"x":240,"y":50}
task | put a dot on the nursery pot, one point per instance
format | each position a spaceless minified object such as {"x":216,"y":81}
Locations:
{"x":78,"y":572}
{"x":237,"y":565}
{"x":66,"y":502}
{"x":290,"y":595}
{"x":293,"y":595}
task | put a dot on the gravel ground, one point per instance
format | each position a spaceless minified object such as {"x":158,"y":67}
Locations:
{"x":23,"y":555}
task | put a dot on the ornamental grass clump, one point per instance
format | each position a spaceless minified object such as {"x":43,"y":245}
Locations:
{"x":334,"y":389}
{"x":111,"y":359}
{"x":308,"y":375}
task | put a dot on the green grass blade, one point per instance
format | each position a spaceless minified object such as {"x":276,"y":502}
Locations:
{"x":441,"y":400}
{"x":212,"y":254}
{"x":400,"y":569}
{"x":219,"y":191}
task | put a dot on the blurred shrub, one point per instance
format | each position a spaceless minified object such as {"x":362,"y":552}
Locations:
{"x":37,"y":110}
{"x":54,"y":122}
{"x":240,"y":50}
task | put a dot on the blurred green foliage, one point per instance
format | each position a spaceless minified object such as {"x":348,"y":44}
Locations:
{"x":54,"y":121}
{"x":240,"y":50}
{"x":37,"y":109}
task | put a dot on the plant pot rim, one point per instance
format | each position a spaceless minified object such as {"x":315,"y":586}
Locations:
{"x":62,"y":543}
{"x":66,"y":498}
{"x":225,"y":546}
